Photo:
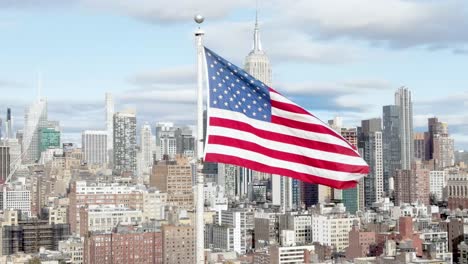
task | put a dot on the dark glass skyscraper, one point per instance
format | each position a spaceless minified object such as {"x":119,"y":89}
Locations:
{"x":391,"y":142}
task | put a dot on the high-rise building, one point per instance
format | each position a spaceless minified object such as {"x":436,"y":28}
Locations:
{"x":405,"y":106}
{"x":437,"y":182}
{"x":420,"y":146}
{"x":371,"y":143}
{"x":281,"y":192}
{"x":175,"y":179}
{"x":257,"y":62}
{"x":146,"y":146}
{"x":185,"y":141}
{"x":443,"y":146}
{"x":125,"y":143}
{"x":4,"y":163}
{"x":391,"y":142}
{"x":309,"y":194}
{"x":412,"y":185}
{"x":94,"y":146}
{"x":35,"y":119}
{"x":49,"y":138}
{"x":350,"y":197}
{"x":110,"y":125}
{"x":166,"y":143}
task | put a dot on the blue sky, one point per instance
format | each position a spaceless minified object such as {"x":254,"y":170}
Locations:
{"x":333,"y":57}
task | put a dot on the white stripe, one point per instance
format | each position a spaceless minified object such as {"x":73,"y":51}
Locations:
{"x":227,"y":114}
{"x":289,"y":148}
{"x":279,"y":98}
{"x":301,"y":168}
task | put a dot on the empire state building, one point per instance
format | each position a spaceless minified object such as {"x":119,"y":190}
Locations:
{"x":257,"y":62}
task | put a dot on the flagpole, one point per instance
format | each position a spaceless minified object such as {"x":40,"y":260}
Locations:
{"x":200,"y":253}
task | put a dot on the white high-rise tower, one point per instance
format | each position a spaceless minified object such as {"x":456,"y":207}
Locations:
{"x":110,"y":125}
{"x":405,"y":105}
{"x":257,"y":62}
{"x":146,"y":138}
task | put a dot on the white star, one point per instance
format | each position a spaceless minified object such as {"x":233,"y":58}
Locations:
{"x":220,"y":85}
{"x":237,"y":92}
{"x":243,"y":99}
{"x":249,"y":95}
{"x":244,"y":110}
{"x":259,"y":98}
{"x":215,"y":102}
{"x":211,"y":65}
{"x":217,"y":73}
{"x":221,"y":70}
{"x":254,"y":114}
{"x":227,"y":77}
{"x":254,"y":102}
{"x":235,"y":71}
{"x":234,"y":96}
{"x":237,"y":80}
{"x":245,"y":74}
{"x":231,"y":99}
{"x":248,"y":106}
{"x":259,"y":109}
{"x":215,"y":62}
{"x":236,"y":106}
{"x":225,"y":92}
{"x":214,"y":90}
{"x":209,"y":54}
{"x":229,"y":63}
{"x":265,"y":104}
{"x":232,"y":85}
{"x":220,"y":97}
{"x":213,"y":77}
{"x":226,"y":104}
{"x":243,"y":87}
{"x":251,"y":81}
{"x":264,"y":116}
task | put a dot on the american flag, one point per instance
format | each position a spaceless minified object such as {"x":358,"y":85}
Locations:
{"x":253,"y":126}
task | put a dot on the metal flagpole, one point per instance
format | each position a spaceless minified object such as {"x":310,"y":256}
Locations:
{"x":200,"y":254}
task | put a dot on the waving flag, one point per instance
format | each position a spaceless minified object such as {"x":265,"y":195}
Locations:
{"x":253,"y":126}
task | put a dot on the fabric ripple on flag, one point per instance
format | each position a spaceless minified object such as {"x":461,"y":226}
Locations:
{"x":253,"y":126}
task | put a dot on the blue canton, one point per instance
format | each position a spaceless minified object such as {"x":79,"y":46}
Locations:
{"x":231,"y":88}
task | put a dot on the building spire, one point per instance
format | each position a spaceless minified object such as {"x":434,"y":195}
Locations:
{"x":257,"y":44}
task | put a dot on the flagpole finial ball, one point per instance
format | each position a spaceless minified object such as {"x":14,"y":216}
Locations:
{"x":199,"y":19}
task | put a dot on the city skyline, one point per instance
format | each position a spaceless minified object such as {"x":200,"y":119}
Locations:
{"x":329,"y":68}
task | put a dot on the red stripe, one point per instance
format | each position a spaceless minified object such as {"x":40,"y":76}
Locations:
{"x":213,"y":157}
{"x":288,"y":139}
{"x":287,"y":156}
{"x":289,"y":107}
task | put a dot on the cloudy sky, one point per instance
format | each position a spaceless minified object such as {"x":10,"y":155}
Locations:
{"x":336,"y":58}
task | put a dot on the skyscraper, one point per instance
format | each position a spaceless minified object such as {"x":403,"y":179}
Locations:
{"x":124,"y":142}
{"x":443,"y":146}
{"x":110,"y":125}
{"x":34,"y":120}
{"x":405,"y":106}
{"x":258,"y":65}
{"x":94,"y":144}
{"x":146,"y":138}
{"x":371,"y":143}
{"x":4,"y":163}
{"x":391,"y":142}
{"x":257,"y":62}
